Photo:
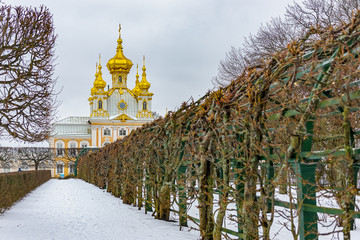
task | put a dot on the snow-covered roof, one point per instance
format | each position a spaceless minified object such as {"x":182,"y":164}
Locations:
{"x":73,"y":120}
{"x":72,"y":126}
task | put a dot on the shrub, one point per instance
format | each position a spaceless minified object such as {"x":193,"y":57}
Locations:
{"x":15,"y":185}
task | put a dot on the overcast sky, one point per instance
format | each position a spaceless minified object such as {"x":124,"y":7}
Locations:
{"x":182,"y":40}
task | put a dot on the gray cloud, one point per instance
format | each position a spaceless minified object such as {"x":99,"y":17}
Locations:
{"x":183,"y":41}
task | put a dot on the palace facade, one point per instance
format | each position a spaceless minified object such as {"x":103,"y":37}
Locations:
{"x":114,"y":113}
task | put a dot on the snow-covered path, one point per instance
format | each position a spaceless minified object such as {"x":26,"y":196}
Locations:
{"x":73,"y":209}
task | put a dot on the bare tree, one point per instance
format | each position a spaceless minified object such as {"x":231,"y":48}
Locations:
{"x":36,"y":156}
{"x":156,"y":115}
{"x":27,"y":42}
{"x":318,"y":15}
{"x":7,"y":157}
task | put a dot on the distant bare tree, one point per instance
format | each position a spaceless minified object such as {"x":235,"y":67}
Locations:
{"x":323,"y":14}
{"x":156,"y":115}
{"x":27,"y":42}
{"x":275,"y":35}
{"x":7,"y":157}
{"x":36,"y":156}
{"x":68,"y":156}
{"x":231,"y":67}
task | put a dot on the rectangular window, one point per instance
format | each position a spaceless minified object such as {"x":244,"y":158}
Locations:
{"x":122,"y":132}
{"x":107,"y":132}
{"x":71,"y":168}
{"x":60,"y":151}
{"x":72,"y":152}
{"x":60,"y":168}
{"x":84,"y":145}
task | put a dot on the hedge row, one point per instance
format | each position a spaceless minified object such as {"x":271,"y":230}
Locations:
{"x":15,"y":185}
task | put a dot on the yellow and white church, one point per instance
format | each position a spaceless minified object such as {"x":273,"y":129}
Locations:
{"x":114,"y":113}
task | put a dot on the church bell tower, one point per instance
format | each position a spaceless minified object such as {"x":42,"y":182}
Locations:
{"x":119,"y":66}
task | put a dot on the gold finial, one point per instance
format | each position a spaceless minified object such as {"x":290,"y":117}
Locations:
{"x":119,"y":30}
{"x":144,"y":84}
{"x":137,"y":73}
{"x":144,"y":68}
{"x":136,"y":89}
{"x":99,"y":67}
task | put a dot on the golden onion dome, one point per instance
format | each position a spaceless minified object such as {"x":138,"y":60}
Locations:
{"x":93,"y":90}
{"x":144,"y":84}
{"x":99,"y":81}
{"x":136,"y":89}
{"x":119,"y":63}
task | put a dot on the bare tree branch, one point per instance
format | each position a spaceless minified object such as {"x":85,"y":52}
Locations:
{"x":27,"y":42}
{"x":277,"y":34}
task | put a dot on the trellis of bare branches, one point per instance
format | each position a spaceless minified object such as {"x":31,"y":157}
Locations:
{"x":240,"y":144}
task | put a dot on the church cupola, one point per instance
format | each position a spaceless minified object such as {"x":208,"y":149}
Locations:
{"x":98,"y":101}
{"x":99,"y":82}
{"x":144,"y":96}
{"x":119,"y":66}
{"x":144,"y":85}
{"x":93,"y":89}
{"x":136,"y":89}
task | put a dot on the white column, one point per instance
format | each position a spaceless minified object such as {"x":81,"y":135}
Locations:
{"x":113,"y":132}
{"x":93,"y":136}
{"x":99,"y":137}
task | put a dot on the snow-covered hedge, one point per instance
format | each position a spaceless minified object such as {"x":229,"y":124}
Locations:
{"x":14,"y":186}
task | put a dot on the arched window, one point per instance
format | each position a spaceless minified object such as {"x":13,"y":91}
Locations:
{"x":72,"y":144}
{"x":144,"y":105}
{"x":120,"y":79}
{"x":100,"y":104}
{"x":84,"y":144}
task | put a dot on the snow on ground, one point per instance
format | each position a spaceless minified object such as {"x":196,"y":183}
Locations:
{"x":73,"y":209}
{"x":278,"y":230}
